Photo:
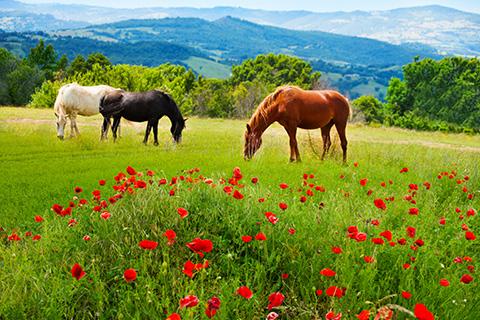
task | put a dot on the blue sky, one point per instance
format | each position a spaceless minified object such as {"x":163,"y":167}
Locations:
{"x":311,"y":5}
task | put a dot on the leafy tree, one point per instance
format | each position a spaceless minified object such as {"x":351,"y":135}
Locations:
{"x":78,"y":65}
{"x":275,"y":70}
{"x":97,"y":58}
{"x":371,"y":107}
{"x":43,"y":57}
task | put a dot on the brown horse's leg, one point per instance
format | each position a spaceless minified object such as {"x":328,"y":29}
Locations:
{"x":292,"y":134}
{"x":326,"y":138}
{"x":343,"y":139}
{"x":115,"y":125}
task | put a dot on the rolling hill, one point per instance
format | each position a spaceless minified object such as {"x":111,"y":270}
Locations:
{"x":448,"y":30}
{"x":231,"y":40}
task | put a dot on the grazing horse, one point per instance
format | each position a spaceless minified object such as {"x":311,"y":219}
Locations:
{"x":294,"y":108}
{"x":74,"y":99}
{"x":142,"y":106}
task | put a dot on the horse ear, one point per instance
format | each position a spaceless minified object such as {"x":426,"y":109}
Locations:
{"x":248,"y":128}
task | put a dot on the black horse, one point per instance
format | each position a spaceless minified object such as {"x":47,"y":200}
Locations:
{"x":138,"y":107}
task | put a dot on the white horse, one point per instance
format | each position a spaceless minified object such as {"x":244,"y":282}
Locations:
{"x":74,"y":99}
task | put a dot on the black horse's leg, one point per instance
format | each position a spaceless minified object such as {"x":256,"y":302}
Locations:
{"x":105,"y":127}
{"x":155,"y":132}
{"x":147,"y":132}
{"x":116,"y":123}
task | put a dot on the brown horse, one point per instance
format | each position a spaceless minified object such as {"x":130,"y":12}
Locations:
{"x":294,"y":108}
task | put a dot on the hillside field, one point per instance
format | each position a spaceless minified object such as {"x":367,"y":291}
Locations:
{"x":329,"y":219}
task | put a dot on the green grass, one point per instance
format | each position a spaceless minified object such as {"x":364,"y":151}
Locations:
{"x":38,"y":170}
{"x":208,"y":68}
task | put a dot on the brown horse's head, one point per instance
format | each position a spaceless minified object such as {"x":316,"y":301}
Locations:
{"x":252,"y":143}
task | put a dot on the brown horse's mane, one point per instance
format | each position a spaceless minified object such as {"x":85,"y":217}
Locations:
{"x":264,"y":109}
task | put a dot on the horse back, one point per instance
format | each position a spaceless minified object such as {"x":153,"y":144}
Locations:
{"x":311,"y":109}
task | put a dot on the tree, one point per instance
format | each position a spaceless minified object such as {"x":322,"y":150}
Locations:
{"x":97,"y":58}
{"x":371,"y":107}
{"x":275,"y":70}
{"x":78,"y":65}
{"x":43,"y":57}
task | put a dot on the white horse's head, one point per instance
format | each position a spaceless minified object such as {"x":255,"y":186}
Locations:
{"x":61,"y":122}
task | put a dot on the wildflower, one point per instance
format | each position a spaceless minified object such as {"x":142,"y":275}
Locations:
{"x":148,"y":244}
{"x":188,"y":302}
{"x":275,"y":299}
{"x":182,"y":212}
{"x":130,"y":275}
{"x":77,"y":271}
{"x":245,"y":292}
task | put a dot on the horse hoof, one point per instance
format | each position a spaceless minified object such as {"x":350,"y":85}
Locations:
{"x":155,"y":143}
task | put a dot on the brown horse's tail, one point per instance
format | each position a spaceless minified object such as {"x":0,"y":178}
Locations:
{"x":350,"y":110}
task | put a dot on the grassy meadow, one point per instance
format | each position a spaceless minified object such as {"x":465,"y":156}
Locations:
{"x":322,"y":212}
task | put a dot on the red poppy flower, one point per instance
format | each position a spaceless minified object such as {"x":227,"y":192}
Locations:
{"x":261,"y":200}
{"x":170,"y":235}
{"x":337,"y":250}
{"x":271,"y":217}
{"x":14,"y":237}
{"x":407,"y":295}
{"x":148,"y":244}
{"x":246,"y":238}
{"x":150,"y":173}
{"x":444,"y":283}
{"x":272,"y":316}
{"x":470,"y":235}
{"x":86,"y":237}
{"x":36,"y":237}
{"x":105,"y":215}
{"x":303,"y":199}
{"x":380,"y":204}
{"x":57,"y":208}
{"x":471,"y":212}
{"x":285,"y":276}
{"x":213,"y":305}
{"x":364,"y":315}
{"x":383,"y":184}
{"x":360,"y":237}
{"x":363,"y":182}
{"x":403,"y":170}
{"x":182,"y":212}
{"x":406,"y":266}
{"x":237,"y":195}
{"x":188,"y":268}
{"x":318,"y":292}
{"x":466,"y":278}
{"x":254,"y":180}
{"x":368,"y":259}
{"x":38,"y":219}
{"x":387,"y":234}
{"x":422,"y":313}
{"x":378,"y":240}
{"x":283,"y":186}
{"x":77,"y":271}
{"x":102,"y":182}
{"x":332,"y":316}
{"x":245,"y":292}
{"x":275,"y":299}
{"x":413,"y":211}
{"x":411,"y":232}
{"x":174,"y":316}
{"x":130,"y":275}
{"x":261,"y":236}
{"x":327,"y":272}
{"x":200,"y":246}
{"x":334,"y":291}
{"x":283,"y":205}
{"x":188,"y":301}
{"x":237,"y":174}
{"x":78,"y":190}
{"x":131,"y":171}
{"x":292,"y":231}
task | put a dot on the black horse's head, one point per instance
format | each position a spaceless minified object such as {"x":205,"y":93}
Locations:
{"x":177,"y":128}
{"x":111,"y":103}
